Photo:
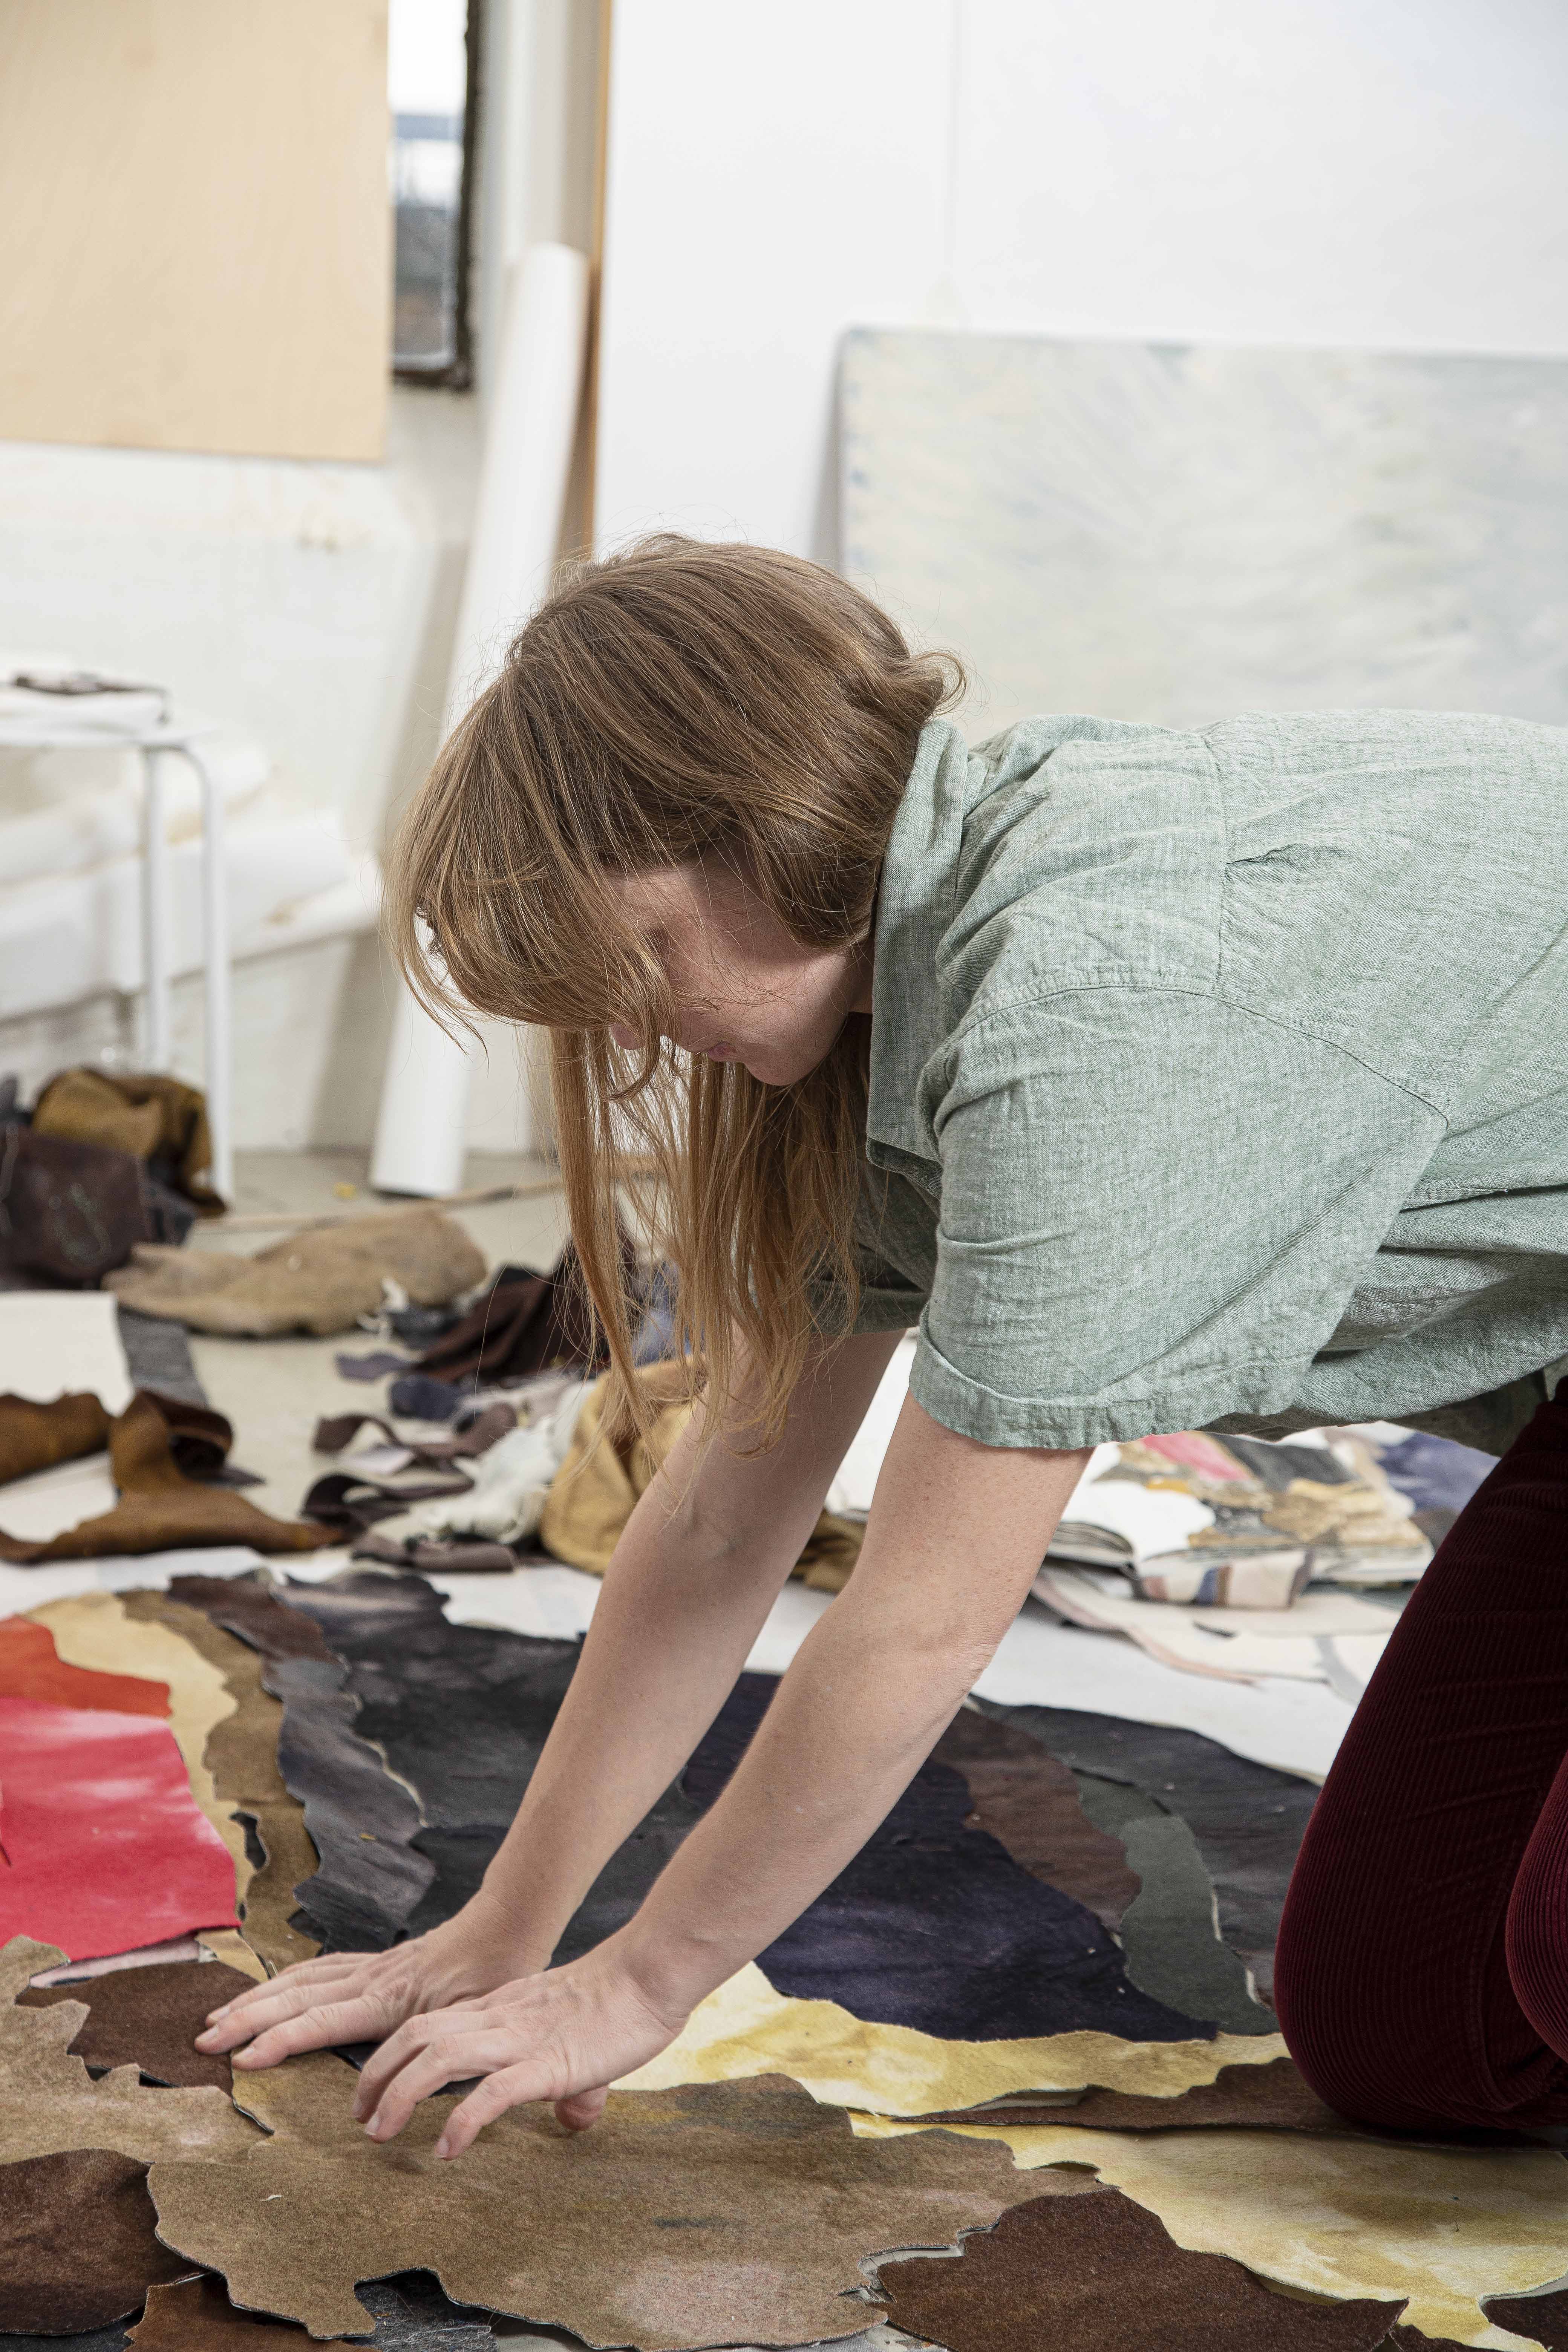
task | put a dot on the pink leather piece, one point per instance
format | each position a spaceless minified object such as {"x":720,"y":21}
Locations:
{"x":104,"y":1847}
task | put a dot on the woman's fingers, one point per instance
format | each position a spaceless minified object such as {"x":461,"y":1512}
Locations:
{"x":582,"y":2109}
{"x":449,"y":2057}
{"x":242,"y":2020}
{"x":510,"y":2087}
{"x":362,"y":2019}
{"x":413,"y":2041}
{"x":311,"y":1973}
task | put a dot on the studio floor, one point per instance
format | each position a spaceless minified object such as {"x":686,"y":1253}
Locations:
{"x":1030,"y":2020}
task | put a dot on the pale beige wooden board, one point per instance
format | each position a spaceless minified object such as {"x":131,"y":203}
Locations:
{"x":195,"y":233}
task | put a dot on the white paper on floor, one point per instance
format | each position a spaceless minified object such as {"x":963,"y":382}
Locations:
{"x":56,"y":1343}
{"x":36,"y":1508}
{"x":148,"y":1571}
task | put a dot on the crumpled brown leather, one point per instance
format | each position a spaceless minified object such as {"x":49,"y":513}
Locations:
{"x":36,"y":1436}
{"x":149,"y":1114}
{"x":159,"y":1509}
{"x":592,"y":1495}
{"x":321,"y":1280}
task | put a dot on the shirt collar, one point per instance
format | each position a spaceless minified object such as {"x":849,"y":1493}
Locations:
{"x":914,"y":908}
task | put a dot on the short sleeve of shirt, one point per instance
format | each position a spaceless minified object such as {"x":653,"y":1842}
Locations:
{"x":1154,"y":1208}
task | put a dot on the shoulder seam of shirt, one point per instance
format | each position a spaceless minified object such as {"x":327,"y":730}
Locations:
{"x":1132,"y":985}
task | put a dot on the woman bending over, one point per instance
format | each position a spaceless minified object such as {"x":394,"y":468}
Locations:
{"x":1166,"y":1079}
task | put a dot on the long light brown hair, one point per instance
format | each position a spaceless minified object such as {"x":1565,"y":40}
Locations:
{"x":676,"y":702}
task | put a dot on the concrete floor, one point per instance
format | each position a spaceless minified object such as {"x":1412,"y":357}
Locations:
{"x":274,"y":1391}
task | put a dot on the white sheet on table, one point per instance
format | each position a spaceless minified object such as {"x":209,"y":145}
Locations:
{"x":56,"y":1343}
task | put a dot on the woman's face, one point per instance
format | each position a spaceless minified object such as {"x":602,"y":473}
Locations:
{"x":745,"y":991}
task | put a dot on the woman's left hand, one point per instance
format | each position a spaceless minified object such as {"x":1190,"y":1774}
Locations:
{"x":563,"y":2036}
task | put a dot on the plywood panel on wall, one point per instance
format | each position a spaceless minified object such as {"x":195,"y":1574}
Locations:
{"x":194,"y":227}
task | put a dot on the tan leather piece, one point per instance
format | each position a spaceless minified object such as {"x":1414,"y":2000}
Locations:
{"x":49,"y":2103}
{"x":321,"y":1280}
{"x":240,"y":1755}
{"x":735,"y":2213}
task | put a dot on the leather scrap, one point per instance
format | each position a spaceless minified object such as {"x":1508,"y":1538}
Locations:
{"x":934,"y":1925}
{"x":152,"y":1115}
{"x":320,"y":1280}
{"x":98,"y":1629}
{"x":1543,"y":2317}
{"x":1092,"y":2273}
{"x":438,"y":1554}
{"x":1448,"y":2228}
{"x":461,"y":1714}
{"x":159,"y":1509}
{"x":1029,"y":1802}
{"x":411,"y":2314}
{"x":1273,"y":2097}
{"x":361,"y":1820}
{"x":240,"y":1760}
{"x":524,"y":1323}
{"x":78,"y":2247}
{"x":335,"y":1431}
{"x":739,"y":2213}
{"x":49,"y":2104}
{"x":745,"y":2028}
{"x":1248,"y":1819}
{"x":31,"y":1667}
{"x":35,"y":1436}
{"x":106,"y":1850}
{"x":594,"y":1492}
{"x":149,"y":2018}
{"x":347,"y":1503}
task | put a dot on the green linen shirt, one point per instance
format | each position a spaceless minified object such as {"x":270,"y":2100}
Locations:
{"x":1221,"y":1079}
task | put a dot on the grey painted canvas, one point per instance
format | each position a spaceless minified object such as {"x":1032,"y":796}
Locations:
{"x":1177,"y":533}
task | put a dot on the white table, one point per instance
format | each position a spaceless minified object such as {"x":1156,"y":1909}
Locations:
{"x":47,"y":732}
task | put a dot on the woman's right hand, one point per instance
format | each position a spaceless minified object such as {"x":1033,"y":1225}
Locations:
{"x":365,"y":1996}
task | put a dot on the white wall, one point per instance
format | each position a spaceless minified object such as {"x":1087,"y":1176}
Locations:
{"x":1385,"y":173}
{"x":311,"y":607}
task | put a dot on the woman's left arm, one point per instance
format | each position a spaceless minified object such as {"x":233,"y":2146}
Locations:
{"x":954,"y":1539}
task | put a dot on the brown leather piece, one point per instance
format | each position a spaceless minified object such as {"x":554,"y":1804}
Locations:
{"x":69,"y":1212}
{"x":160,"y":1509}
{"x":149,"y":1115}
{"x":1542,"y":2316}
{"x":1029,"y":1802}
{"x":246,"y":1606}
{"x":1100,"y":2275}
{"x":1273,"y":2097}
{"x":77,"y":2243}
{"x":149,"y":2018}
{"x":36,"y":1436}
{"x":335,"y":1431}
{"x":525,"y":1323}
{"x":732,"y":2213}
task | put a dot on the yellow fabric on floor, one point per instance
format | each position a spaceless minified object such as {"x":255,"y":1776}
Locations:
{"x":142,"y":1114}
{"x":1340,"y":2218}
{"x":592,"y":1495}
{"x":746,"y":2027}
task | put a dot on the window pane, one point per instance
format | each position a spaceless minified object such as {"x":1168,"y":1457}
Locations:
{"x":427,"y":75}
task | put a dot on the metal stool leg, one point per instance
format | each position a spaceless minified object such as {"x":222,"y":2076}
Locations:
{"x":219,"y":1071}
{"x":155,"y":913}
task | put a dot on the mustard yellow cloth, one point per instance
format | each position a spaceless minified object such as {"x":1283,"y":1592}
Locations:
{"x":592,"y":1495}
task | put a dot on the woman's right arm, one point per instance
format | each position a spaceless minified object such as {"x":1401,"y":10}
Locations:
{"x":701,"y":1562}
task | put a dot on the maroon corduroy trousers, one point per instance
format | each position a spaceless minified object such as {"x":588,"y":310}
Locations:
{"x":1422,"y":1974}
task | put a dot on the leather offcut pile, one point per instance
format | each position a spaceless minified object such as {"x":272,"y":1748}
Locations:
{"x":1008,"y":2038}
